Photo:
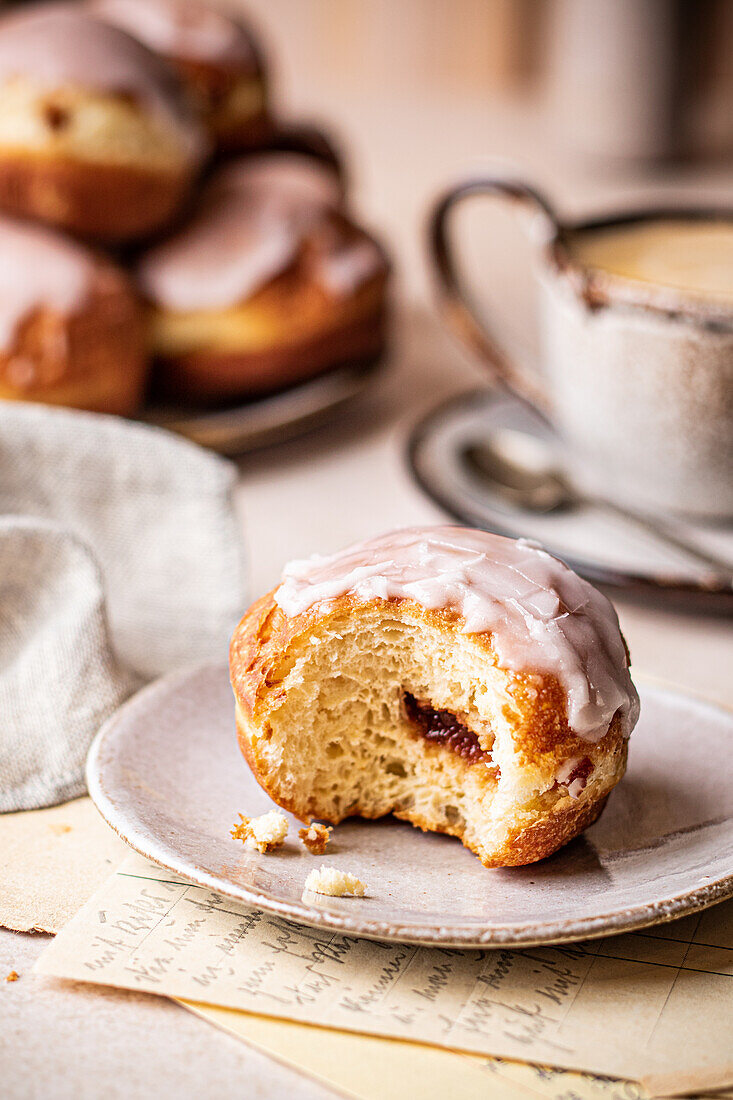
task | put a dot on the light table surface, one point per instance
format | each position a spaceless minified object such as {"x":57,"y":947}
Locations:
{"x":346,"y":481}
{"x":343,"y":482}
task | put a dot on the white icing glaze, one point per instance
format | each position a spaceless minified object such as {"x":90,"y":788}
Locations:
{"x":284,"y":178}
{"x":61,"y":46}
{"x":565,"y":770}
{"x":183,"y":29}
{"x":346,"y":269}
{"x":254,"y":218}
{"x":543,"y":618}
{"x":222,"y":258}
{"x":563,"y":776}
{"x":39,"y":268}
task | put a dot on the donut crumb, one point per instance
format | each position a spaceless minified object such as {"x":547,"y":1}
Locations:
{"x":315,"y":837}
{"x":12,"y":976}
{"x":334,"y":883}
{"x":265,"y":833}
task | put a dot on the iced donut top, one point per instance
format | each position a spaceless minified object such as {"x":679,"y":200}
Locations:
{"x":40,"y":269}
{"x":183,"y":29}
{"x":283,"y":179}
{"x":62,"y":46}
{"x":253,"y":221}
{"x":543,"y":618}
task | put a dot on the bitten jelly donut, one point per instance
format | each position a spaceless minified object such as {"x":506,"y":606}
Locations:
{"x":216,"y":56}
{"x":471,"y":684}
{"x":71,"y":328}
{"x":95,"y":135}
{"x":269,"y":284}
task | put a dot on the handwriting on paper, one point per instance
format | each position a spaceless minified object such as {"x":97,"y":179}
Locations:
{"x":617,"y":1006}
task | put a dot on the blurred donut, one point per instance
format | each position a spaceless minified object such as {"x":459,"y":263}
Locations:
{"x":309,"y":140}
{"x":95,"y":134}
{"x":71,"y":327}
{"x":269,"y":284}
{"x":215,"y":54}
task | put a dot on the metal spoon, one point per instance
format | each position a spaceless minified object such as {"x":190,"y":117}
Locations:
{"x":531,"y":480}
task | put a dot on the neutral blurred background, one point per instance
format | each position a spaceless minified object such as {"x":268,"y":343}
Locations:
{"x":601,"y":103}
{"x":638,"y":78}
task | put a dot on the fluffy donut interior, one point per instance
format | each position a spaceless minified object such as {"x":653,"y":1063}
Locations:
{"x":77,"y":124}
{"x":347,"y":734}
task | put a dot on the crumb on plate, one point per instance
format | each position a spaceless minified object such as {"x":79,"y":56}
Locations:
{"x":265,"y":833}
{"x":12,"y":976}
{"x":316,"y":837}
{"x":334,"y":883}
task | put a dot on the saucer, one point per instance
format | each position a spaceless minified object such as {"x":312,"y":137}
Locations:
{"x":245,"y":426}
{"x":594,"y":541}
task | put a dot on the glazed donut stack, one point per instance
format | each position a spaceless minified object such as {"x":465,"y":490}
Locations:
{"x":153,"y":231}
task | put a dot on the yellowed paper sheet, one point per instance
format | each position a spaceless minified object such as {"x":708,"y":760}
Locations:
{"x":366,"y":1068}
{"x":52,"y":862}
{"x":653,"y":1006}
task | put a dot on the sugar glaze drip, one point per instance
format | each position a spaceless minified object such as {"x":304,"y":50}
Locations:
{"x":40,"y":270}
{"x":181,"y":28}
{"x":543,"y":618}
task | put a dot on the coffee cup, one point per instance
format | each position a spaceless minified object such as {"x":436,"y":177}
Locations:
{"x":636,"y":334}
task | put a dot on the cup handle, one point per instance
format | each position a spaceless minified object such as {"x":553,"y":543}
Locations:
{"x":455,"y":302}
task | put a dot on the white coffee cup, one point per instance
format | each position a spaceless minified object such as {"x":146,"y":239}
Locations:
{"x":637,"y":376}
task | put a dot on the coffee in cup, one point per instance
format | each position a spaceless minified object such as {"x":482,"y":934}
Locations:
{"x":637,"y":345}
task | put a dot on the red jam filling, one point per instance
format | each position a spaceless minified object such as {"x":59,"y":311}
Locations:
{"x":442,"y":727}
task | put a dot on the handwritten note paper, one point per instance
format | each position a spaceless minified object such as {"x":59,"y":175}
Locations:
{"x":655,"y":1006}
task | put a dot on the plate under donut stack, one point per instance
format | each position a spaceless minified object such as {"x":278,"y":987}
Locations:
{"x":161,"y":230}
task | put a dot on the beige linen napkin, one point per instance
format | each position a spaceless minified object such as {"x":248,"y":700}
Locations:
{"x":120,"y":559}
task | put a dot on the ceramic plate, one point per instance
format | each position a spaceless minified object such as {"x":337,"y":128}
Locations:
{"x":597,"y":543}
{"x":237,"y":429}
{"x":167,"y":774}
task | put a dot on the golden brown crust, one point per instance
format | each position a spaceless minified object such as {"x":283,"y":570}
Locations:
{"x":212,"y":87}
{"x":211,"y":375}
{"x":93,"y":359}
{"x":536,"y":842}
{"x":545,"y":837}
{"x":104,"y":202}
